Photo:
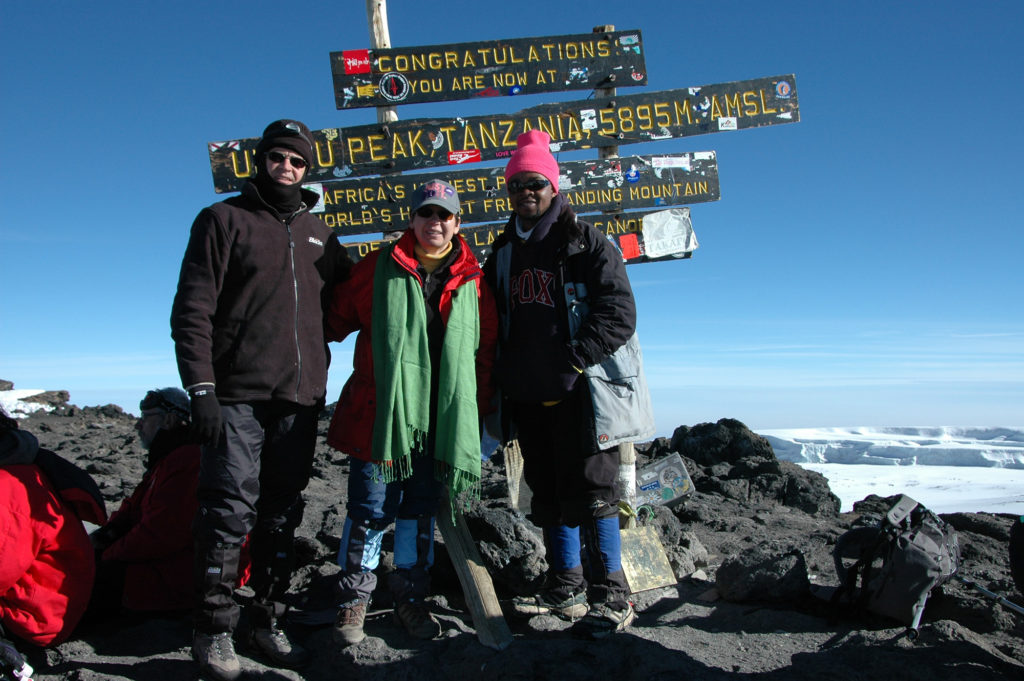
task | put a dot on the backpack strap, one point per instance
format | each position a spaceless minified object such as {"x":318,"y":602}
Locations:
{"x":864,"y":544}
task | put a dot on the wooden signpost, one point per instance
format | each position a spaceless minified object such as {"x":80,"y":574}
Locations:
{"x":639,"y":202}
{"x":435,"y":73}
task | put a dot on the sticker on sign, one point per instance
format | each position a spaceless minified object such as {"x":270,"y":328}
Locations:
{"x":671,"y":162}
{"x":356,"y":61}
{"x":669,"y":232}
{"x":463,"y":156}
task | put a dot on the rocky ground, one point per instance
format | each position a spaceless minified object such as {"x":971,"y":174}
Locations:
{"x":748,"y":547}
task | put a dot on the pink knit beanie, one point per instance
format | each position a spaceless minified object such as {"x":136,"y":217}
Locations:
{"x":534,"y":155}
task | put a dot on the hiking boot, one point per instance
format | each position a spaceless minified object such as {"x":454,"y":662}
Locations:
{"x":215,"y":654}
{"x":417,"y":620}
{"x":348,"y":627}
{"x":558,"y":602}
{"x":274,"y":644}
{"x":604,"y":619}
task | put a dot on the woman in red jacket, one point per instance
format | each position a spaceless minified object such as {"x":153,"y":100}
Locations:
{"x":409,"y":415}
{"x":46,"y":561}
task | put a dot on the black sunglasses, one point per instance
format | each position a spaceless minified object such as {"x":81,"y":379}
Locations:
{"x":536,"y":184}
{"x":296,"y":161}
{"x":428,"y":211}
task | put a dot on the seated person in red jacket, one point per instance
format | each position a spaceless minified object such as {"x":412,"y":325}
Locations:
{"x":146,"y":547}
{"x":46,"y":561}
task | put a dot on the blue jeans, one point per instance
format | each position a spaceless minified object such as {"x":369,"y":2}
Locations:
{"x":372,"y":506}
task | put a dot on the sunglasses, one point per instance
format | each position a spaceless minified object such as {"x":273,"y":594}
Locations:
{"x":534,"y":185}
{"x":428,"y":212}
{"x":277,"y":157}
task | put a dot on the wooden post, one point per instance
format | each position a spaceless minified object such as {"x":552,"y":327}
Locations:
{"x":491,"y":628}
{"x":380,"y":38}
{"x":627,"y":454}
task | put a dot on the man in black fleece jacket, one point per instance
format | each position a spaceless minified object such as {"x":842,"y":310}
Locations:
{"x":247,"y":323}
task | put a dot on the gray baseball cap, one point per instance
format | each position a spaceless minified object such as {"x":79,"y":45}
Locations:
{"x":436,"y":193}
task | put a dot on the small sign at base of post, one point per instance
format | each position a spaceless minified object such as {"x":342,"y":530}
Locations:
{"x":644,"y":560}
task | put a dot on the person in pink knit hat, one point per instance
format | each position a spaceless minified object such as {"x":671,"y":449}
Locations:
{"x":566,"y":312}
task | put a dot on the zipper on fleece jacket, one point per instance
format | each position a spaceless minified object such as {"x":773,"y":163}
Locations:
{"x":295,"y":319}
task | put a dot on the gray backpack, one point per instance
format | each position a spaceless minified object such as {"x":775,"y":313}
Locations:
{"x":896,"y":564}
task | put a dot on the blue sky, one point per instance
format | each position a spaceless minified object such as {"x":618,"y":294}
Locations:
{"x":861,"y":268}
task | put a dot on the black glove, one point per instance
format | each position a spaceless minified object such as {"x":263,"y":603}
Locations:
{"x":205,"y":418}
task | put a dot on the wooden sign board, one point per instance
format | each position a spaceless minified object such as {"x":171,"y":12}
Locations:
{"x":381,"y":204}
{"x":641,"y":236}
{"x":611,"y":121}
{"x":435,"y":73}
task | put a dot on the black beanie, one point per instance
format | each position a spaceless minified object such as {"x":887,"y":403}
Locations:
{"x":288,"y":134}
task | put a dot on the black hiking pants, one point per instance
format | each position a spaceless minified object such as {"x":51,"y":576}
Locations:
{"x":250,"y":486}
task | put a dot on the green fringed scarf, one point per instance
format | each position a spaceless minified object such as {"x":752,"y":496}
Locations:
{"x":401,"y":366}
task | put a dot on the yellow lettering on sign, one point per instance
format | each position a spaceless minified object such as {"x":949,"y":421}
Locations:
{"x":482,"y":238}
{"x":355,"y":148}
{"x":248,"y":164}
{"x":593,"y":197}
{"x":416,"y":145}
{"x":532,"y":54}
{"x":619,"y":225}
{"x":552,"y":76}
{"x":733,"y":103}
{"x":716,"y":110}
{"x":550,"y":127}
{"x":367,"y":247}
{"x":574,"y":131}
{"x":320,"y":157}
{"x":469,"y":82}
{"x":764,"y":108}
{"x":509,"y":79}
{"x":451,"y":60}
{"x":683,"y":109}
{"x":376,"y":144}
{"x":488,"y":134}
{"x":397,"y":149}
{"x":497,"y":205}
{"x":426,"y":85}
{"x":507,"y":139}
{"x":750,"y":103}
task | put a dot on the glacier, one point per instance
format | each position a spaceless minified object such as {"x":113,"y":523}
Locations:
{"x":991,"y":447}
